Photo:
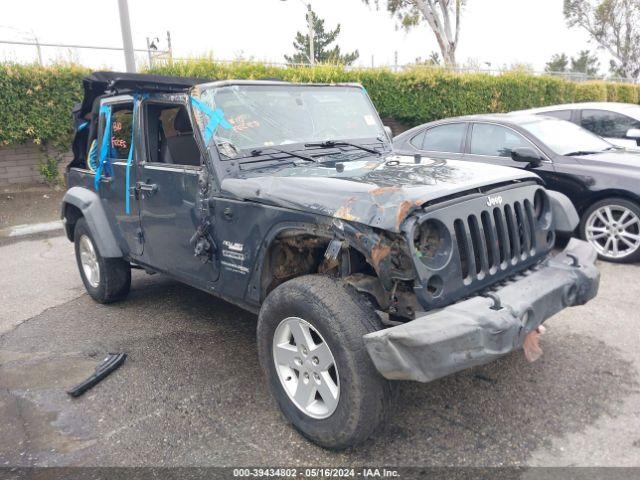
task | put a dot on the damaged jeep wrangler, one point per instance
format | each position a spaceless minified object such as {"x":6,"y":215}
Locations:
{"x":363,"y":265}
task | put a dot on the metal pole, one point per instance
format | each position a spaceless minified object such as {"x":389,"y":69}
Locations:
{"x":149,"y":53}
{"x":312,"y":33}
{"x":127,"y":42}
{"x":39,"y":50}
{"x":169,"y":47}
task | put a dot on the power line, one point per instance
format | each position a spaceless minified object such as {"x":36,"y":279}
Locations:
{"x":63,"y":45}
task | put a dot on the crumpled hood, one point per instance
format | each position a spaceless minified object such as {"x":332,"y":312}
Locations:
{"x":373,"y":191}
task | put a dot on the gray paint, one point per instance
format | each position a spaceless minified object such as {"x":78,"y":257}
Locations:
{"x":565,"y":217}
{"x":91,"y":207}
{"x":478,"y":330}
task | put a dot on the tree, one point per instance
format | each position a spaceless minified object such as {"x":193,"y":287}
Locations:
{"x":585,"y":63}
{"x":433,"y":60}
{"x":558,"y":63}
{"x":614,"y":25}
{"x":321,"y":45}
{"x":442,"y":16}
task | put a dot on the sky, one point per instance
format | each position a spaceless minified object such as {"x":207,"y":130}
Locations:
{"x":498,"y":32}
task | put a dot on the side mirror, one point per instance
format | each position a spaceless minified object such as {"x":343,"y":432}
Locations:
{"x":388,"y":132}
{"x":526,"y":155}
{"x":633,"y":133}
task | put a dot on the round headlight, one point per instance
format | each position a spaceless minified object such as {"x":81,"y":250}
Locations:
{"x":432,"y":242}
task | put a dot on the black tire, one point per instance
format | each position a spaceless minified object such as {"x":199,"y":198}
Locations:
{"x":114,"y":279}
{"x":342,"y":317}
{"x":632,"y":256}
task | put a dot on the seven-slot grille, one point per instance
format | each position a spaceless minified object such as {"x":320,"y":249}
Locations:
{"x":499,"y":237}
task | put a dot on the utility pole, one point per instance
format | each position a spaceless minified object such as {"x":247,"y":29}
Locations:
{"x":127,"y":42}
{"x":39,"y":50}
{"x":312,"y":34}
{"x":169,"y":47}
{"x":150,"y":57}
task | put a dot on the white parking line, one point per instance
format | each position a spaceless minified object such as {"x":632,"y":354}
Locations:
{"x":21,"y":230}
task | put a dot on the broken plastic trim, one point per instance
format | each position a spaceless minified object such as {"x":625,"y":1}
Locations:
{"x":112,"y":362}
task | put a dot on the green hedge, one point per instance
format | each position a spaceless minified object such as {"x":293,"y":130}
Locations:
{"x":36,"y":102}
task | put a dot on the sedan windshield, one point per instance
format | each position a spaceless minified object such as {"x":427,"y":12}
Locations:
{"x":566,"y":138}
{"x":242,"y":118}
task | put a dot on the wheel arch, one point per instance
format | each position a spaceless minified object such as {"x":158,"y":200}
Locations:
{"x":292,"y":250}
{"x":604,"y":194}
{"x":80,"y":202}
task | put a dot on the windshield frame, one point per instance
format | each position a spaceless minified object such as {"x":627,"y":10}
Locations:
{"x":297,"y":146}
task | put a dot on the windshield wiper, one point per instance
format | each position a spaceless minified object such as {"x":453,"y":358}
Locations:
{"x":260,"y":151}
{"x":580,"y":152}
{"x":339,"y":143}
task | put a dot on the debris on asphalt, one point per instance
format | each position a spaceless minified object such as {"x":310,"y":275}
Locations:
{"x":111,"y":363}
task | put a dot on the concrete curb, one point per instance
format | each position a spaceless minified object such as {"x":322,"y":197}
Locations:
{"x":31,"y":229}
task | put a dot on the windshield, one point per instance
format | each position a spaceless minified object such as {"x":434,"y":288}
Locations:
{"x":247,"y":117}
{"x":566,"y":137}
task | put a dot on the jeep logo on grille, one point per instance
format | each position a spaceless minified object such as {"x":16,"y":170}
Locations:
{"x":494,"y":200}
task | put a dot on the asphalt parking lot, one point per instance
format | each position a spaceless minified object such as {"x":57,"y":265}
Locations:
{"x":191,"y":391}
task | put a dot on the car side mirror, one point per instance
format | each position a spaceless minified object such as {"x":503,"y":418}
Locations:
{"x":526,"y":155}
{"x":634,"y":133}
{"x":388,"y":132}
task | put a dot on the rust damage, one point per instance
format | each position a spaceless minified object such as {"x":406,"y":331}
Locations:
{"x":382,"y":206}
{"x":378,"y":253}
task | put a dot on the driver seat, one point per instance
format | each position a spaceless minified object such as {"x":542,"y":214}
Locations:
{"x":181,"y":148}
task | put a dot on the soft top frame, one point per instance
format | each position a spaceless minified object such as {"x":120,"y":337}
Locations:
{"x":100,"y":83}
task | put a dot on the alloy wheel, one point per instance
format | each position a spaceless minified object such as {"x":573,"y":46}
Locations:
{"x":306,"y":367}
{"x":89,"y":261}
{"x":614,"y":231}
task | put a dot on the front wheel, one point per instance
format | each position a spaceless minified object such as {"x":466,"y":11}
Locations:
{"x":612,"y":226}
{"x":311,"y":349}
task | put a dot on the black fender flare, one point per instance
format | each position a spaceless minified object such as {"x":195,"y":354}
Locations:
{"x":89,"y":203}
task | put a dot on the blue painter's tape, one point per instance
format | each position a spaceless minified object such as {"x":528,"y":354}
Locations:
{"x":105,"y":147}
{"x":216,"y":117}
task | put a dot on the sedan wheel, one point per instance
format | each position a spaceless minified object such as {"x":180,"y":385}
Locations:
{"x":614,"y":230}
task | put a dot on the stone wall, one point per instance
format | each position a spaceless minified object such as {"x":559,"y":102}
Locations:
{"x":19,"y":164}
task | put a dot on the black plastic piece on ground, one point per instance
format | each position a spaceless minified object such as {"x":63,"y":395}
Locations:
{"x":109,"y":364}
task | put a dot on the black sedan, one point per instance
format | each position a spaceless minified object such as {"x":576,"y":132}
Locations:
{"x":602,"y":180}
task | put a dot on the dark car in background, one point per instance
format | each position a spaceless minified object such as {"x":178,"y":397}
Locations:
{"x":602,"y":180}
{"x":618,"y":123}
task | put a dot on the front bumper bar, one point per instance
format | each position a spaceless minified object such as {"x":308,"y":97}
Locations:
{"x":483,"y":328}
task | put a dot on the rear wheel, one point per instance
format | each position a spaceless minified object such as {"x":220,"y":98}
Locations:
{"x":310,"y":346}
{"x":106,"y":279}
{"x":612,"y":226}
